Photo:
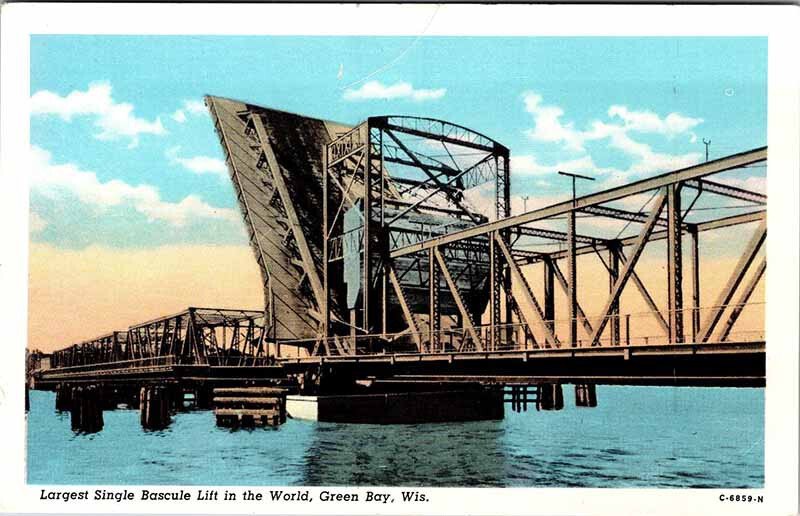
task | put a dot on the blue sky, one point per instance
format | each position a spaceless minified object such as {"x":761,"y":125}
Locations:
{"x":124,"y":156}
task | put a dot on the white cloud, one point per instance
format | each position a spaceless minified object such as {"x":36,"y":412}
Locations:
{"x":756,"y":184}
{"x":646,"y":160}
{"x":527,"y":165}
{"x":547,"y":123}
{"x":37,"y":223}
{"x":648,"y":122}
{"x":400,"y":90}
{"x":179,"y":116}
{"x":481,"y":199}
{"x":50,"y":179}
{"x":193,"y":107}
{"x":198,"y":164}
{"x":115,"y":120}
{"x":550,"y":127}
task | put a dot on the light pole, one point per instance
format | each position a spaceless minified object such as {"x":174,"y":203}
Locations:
{"x":706,"y":143}
{"x":572,"y":272}
{"x":574,"y":176}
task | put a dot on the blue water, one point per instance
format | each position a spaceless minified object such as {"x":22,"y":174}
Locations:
{"x":637,"y":436}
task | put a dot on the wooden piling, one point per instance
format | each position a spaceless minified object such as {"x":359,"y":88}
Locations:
{"x":86,"y":411}
{"x":63,"y":397}
{"x":549,"y":396}
{"x":203,"y":398}
{"x":585,"y":395}
{"x":154,"y":407}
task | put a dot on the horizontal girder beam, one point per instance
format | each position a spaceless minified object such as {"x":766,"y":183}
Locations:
{"x":629,"y":216}
{"x":613,"y":194}
{"x":704,"y":185}
{"x":449,"y":171}
{"x":723,"y":222}
{"x":557,"y":235}
{"x":417,"y":184}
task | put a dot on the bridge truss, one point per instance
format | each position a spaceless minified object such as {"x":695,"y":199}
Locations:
{"x":400,"y":264}
{"x":405,"y":179}
{"x":530,"y":321}
{"x":202,"y":336}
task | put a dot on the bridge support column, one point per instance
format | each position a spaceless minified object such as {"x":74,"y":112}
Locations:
{"x":63,"y":397}
{"x":613,"y":275}
{"x":549,"y":296}
{"x":174,"y":397}
{"x":585,"y":395}
{"x":130,"y":397}
{"x":674,"y":265}
{"x":549,"y":396}
{"x":86,"y":410}
{"x":572,"y":281}
{"x":202,"y":398}
{"x":111,"y":397}
{"x":154,"y":407}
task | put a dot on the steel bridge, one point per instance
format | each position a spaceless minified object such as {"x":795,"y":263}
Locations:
{"x":377,"y":260}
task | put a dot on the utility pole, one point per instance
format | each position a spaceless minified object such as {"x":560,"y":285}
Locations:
{"x":574,"y":176}
{"x":572,"y":272}
{"x":525,"y":203}
{"x":706,"y":143}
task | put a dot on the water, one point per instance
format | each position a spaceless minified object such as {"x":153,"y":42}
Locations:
{"x":637,"y":436}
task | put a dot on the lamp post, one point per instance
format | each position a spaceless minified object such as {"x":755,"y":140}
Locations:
{"x":575,"y":176}
{"x":572,"y":273}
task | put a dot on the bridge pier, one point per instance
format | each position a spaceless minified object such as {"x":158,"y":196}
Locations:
{"x":549,"y":396}
{"x":111,"y":397}
{"x":585,"y":395}
{"x":86,"y":410}
{"x":519,"y":397}
{"x":202,"y":397}
{"x":174,"y":397}
{"x":63,"y":397}
{"x":154,"y":407}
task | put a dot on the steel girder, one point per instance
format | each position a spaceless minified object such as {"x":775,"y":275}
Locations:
{"x":613,"y":194}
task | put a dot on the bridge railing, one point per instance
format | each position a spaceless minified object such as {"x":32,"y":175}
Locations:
{"x":163,"y":362}
{"x":708,"y":324}
{"x":138,"y":363}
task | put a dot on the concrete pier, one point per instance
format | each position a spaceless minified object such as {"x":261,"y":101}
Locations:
{"x":441,"y":405}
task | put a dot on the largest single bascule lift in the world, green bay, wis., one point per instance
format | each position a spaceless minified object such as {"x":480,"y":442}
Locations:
{"x":389,"y":298}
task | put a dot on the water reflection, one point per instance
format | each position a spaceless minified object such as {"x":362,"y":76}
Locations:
{"x":433,"y":454}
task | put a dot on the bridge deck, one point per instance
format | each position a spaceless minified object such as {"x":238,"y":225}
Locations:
{"x":707,"y":364}
{"x":159,"y":373}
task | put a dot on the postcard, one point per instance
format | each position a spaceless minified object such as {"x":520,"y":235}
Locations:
{"x":399,"y":259}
